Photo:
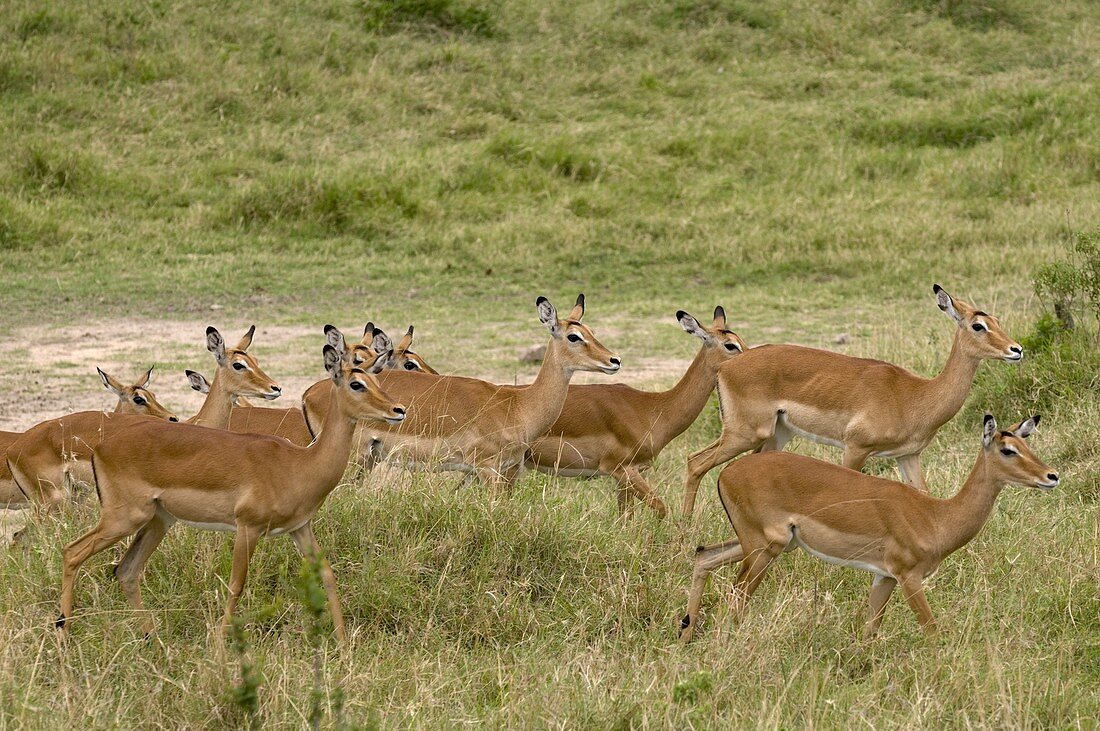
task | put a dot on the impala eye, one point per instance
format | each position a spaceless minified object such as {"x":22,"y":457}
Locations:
{"x":356,"y":360}
{"x":574,"y":338}
{"x":410,"y":366}
{"x":238,"y":366}
{"x":139,"y":400}
{"x":977,"y":327}
{"x":357,"y":386}
{"x":732,"y":346}
{"x":1009,"y":452}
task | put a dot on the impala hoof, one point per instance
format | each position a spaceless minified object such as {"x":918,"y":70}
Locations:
{"x":685,"y":623}
{"x":60,"y":622}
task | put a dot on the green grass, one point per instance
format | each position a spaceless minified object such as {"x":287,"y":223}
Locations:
{"x":813,"y":166}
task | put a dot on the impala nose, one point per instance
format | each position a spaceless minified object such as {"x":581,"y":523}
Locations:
{"x":1052,"y":476}
{"x":173,"y":418}
{"x":616,"y":361}
{"x":399,"y":410}
{"x":276,"y":389}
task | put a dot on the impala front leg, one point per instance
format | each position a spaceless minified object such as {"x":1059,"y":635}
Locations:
{"x":308,"y":546}
{"x":913,"y":588}
{"x":243,"y":546}
{"x":881,"y":589}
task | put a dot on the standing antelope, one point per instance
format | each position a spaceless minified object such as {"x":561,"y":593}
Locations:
{"x":616,"y":430}
{"x":149,"y":477}
{"x":869,"y":408}
{"x":470,"y":425}
{"x":132,"y":399}
{"x":53,"y":455}
{"x":778,"y":501}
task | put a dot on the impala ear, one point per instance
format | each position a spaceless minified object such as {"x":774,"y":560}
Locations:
{"x":380,"y":341}
{"x":578,"y":309}
{"x":368,"y":329}
{"x":946,"y":303}
{"x":406,"y":341}
{"x":215,"y":343}
{"x":691,"y":326}
{"x":198,"y":382}
{"x":548,"y":316}
{"x":379,"y":363}
{"x":989,"y":430}
{"x":719,"y":321}
{"x":335,"y":338}
{"x":1025,"y":427}
{"x":111,"y":384}
{"x":246,"y":340}
{"x":334,"y":364}
{"x":146,"y":379}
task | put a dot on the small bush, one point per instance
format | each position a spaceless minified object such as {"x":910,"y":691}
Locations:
{"x":454,"y":16}
{"x":1074,"y":283}
{"x":54,"y":171}
{"x":36,"y":23}
{"x":558,"y":157}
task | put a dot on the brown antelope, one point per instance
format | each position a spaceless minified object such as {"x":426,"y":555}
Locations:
{"x":148,"y":478}
{"x":869,"y":408}
{"x":778,"y":501}
{"x":616,"y":430}
{"x":53,"y":455}
{"x":286,"y":423}
{"x":474,"y":426}
{"x":132,"y":399}
{"x":401,"y":357}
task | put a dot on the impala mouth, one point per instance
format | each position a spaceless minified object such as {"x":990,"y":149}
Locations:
{"x":271,"y":395}
{"x":1047,"y":485}
{"x":1014,"y":357}
{"x":395,"y":419}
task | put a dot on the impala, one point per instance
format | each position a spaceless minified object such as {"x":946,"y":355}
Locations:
{"x":779,"y":501}
{"x":286,"y":423}
{"x":474,"y":426}
{"x":133,"y":399}
{"x":618,"y":431}
{"x":867,"y":407}
{"x":149,"y":477}
{"x":401,"y":357}
{"x":53,"y":455}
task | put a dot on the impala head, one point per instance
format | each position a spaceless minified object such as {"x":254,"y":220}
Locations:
{"x":984,"y":337}
{"x":577,"y":344}
{"x":717,"y":338}
{"x":241,"y":372}
{"x":403,"y":358}
{"x":1009,"y":454}
{"x":363,"y":354}
{"x":362,"y":396}
{"x":136,"y":399}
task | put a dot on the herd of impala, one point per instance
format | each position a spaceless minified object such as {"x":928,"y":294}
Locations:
{"x":266,"y":471}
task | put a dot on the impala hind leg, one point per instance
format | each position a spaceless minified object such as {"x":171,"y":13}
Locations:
{"x":881,"y":589}
{"x":111,"y":529}
{"x":243,"y":546}
{"x":707,"y":559}
{"x":308,"y":546}
{"x":909,"y":467}
{"x":723,"y":450}
{"x":131,"y":568}
{"x":754,"y":565}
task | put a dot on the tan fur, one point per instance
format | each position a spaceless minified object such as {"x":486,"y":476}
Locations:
{"x":472,"y":425}
{"x":868,"y":407}
{"x":618,"y":431}
{"x":50,"y":457}
{"x":778,"y":501}
{"x":150,"y":475}
{"x":133,"y":399}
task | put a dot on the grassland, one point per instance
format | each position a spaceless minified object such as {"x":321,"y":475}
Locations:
{"x":813,"y":166}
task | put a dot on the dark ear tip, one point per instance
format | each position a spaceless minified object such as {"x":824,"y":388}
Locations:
{"x":540,"y":300}
{"x":1036,"y":418}
{"x":680,"y":314}
{"x":409,"y":331}
{"x":329,"y":328}
{"x":368,"y":328}
{"x":211,"y":330}
{"x":377,"y":331}
{"x":719,"y":310}
{"x":937,"y":288}
{"x":580,"y":299}
{"x":251,"y":329}
{"x":988,"y":418}
{"x":189,"y":373}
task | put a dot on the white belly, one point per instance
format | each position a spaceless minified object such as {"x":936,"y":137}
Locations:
{"x":786,"y":423}
{"x":850,"y":563}
{"x":210,"y":526}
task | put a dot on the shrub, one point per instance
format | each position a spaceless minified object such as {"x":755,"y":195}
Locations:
{"x":1073,"y":283}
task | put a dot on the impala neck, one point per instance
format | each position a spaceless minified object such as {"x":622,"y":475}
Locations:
{"x":327,"y":458}
{"x":964,"y":514}
{"x":945,"y":394}
{"x":217,"y":406}
{"x":541,"y":402}
{"x":679,"y":407}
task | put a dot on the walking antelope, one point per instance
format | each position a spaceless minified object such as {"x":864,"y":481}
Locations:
{"x":133,"y":399}
{"x":869,"y":408}
{"x":149,"y":477}
{"x":616,"y":430}
{"x":467,"y":424}
{"x":779,"y":501}
{"x":53,"y":455}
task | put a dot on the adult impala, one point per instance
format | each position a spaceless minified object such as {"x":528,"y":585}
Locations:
{"x":470,"y":425}
{"x":616,"y":430}
{"x":148,"y":478}
{"x":49,"y":457}
{"x":133,"y":399}
{"x":867,"y":407}
{"x":779,"y":501}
